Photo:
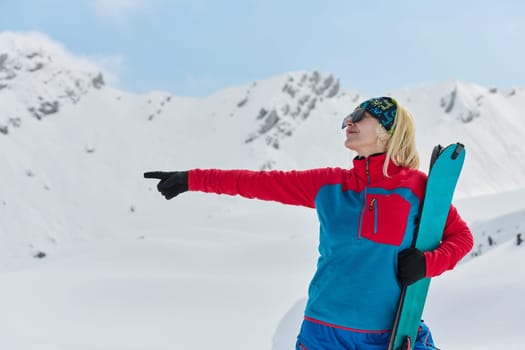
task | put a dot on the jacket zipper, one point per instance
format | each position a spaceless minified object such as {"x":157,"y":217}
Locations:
{"x":363,"y":209}
{"x":373,"y":206}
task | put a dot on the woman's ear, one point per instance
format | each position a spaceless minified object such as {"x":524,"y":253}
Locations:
{"x":382,"y":136}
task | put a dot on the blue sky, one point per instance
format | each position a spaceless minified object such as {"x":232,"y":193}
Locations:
{"x":193,"y":48}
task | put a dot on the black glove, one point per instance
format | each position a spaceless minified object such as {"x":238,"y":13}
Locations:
{"x":411,"y":266}
{"x":171,"y":183}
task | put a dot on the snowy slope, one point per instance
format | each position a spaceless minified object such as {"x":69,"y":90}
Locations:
{"x":480,"y":304}
{"x":241,"y":291}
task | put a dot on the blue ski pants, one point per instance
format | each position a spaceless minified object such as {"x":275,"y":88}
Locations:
{"x":319,"y":336}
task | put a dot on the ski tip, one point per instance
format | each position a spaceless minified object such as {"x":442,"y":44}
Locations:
{"x":435,"y":154}
{"x":457,"y":151}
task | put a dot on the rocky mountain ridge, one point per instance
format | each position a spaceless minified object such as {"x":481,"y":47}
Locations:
{"x":33,"y":73}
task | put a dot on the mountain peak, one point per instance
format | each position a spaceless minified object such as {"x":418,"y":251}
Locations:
{"x":300,"y":93}
{"x":38,"y":76}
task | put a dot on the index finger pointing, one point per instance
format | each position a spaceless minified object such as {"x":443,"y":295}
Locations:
{"x":156,"y":175}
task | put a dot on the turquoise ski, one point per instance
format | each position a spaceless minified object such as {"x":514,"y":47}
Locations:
{"x":445,"y":167}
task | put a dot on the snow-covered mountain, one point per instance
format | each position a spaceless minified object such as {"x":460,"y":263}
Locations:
{"x":39,"y":77}
{"x":76,"y":148}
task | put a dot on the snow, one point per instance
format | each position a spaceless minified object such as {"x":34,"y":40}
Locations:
{"x":156,"y":293}
{"x":479,"y":305}
{"x":226,"y":290}
{"x":125,"y":269}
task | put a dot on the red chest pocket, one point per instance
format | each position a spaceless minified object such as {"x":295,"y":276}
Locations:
{"x":385,"y":218}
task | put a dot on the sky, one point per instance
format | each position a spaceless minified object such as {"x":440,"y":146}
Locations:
{"x":194,"y":48}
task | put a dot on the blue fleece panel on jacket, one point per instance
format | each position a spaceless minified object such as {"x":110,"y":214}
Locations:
{"x":355,"y":285}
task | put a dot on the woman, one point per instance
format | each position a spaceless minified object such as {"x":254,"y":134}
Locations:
{"x":367,"y":218}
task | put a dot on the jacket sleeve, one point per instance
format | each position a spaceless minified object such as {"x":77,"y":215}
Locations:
{"x":287,"y":187}
{"x":457,"y":241}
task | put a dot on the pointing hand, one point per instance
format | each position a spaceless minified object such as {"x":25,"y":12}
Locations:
{"x":171,"y":183}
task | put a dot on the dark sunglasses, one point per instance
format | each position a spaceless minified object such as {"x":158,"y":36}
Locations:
{"x":356,"y":116}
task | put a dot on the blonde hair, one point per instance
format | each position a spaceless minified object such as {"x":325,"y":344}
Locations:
{"x":401,"y":146}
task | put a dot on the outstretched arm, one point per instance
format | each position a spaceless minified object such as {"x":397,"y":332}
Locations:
{"x":288,"y":187}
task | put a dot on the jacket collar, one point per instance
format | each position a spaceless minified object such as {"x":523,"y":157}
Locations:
{"x":370,"y":169}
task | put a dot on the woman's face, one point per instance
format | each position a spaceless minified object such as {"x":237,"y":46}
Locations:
{"x":363,"y":137}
